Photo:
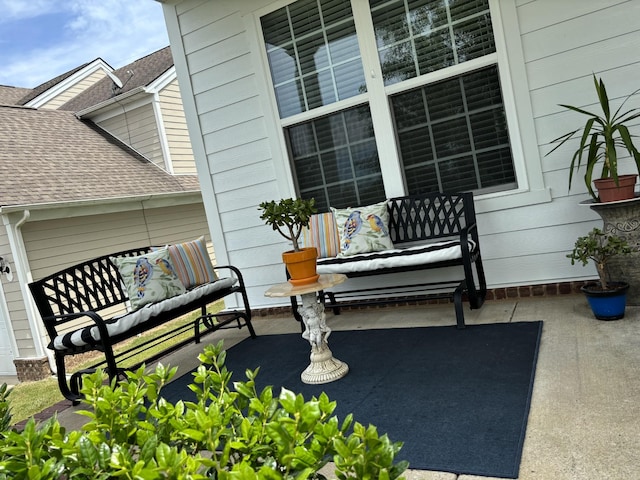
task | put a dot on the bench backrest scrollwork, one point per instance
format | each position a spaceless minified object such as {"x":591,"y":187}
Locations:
{"x":93,"y":285}
{"x":430,"y":216}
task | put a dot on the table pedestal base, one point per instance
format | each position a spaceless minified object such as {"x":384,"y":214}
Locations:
{"x":323,"y":368}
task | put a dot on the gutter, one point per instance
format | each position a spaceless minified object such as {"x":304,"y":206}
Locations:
{"x":113,"y":100}
{"x":112,"y":204}
{"x":23,"y":273}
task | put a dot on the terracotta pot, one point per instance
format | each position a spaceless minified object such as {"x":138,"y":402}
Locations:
{"x":608,"y":191}
{"x":301,"y":266}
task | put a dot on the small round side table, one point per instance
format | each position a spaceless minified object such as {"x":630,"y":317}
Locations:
{"x":324,"y":368}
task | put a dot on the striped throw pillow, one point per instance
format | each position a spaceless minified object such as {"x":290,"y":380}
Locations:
{"x":322,"y":233}
{"x":192,"y":263}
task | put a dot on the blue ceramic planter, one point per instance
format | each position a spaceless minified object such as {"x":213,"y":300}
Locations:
{"x":607,"y":304}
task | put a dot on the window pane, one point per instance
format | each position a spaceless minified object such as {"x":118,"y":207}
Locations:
{"x":423,"y":179}
{"x":453,"y":136}
{"x":335,"y":159}
{"x":474,"y":38}
{"x":313,"y":54}
{"x":415,"y":37}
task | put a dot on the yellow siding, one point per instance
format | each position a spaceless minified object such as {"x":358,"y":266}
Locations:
{"x":137,"y":128}
{"x":55,"y":244}
{"x":74,"y":90}
{"x":175,"y":126}
{"x":16,"y":310}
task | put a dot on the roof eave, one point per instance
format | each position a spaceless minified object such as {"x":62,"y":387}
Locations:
{"x":41,"y":211}
{"x":113,"y":100}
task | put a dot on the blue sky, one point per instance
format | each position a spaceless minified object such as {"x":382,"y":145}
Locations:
{"x":41,"y":39}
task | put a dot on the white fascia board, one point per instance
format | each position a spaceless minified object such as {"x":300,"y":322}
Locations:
{"x":68,"y":82}
{"x":123,"y":99}
{"x":162,"y":81}
{"x":76,"y":208}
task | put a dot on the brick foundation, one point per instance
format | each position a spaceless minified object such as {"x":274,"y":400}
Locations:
{"x":504,"y":293}
{"x":32,"y":369}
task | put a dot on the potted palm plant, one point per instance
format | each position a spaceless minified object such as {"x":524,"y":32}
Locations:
{"x":606,"y":298}
{"x":600,"y":138}
{"x":288,"y":217}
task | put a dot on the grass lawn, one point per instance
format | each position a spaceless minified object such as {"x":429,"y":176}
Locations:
{"x":28,"y":398}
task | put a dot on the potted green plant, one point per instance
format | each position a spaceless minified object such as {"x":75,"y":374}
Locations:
{"x":606,"y":298}
{"x":600,"y":138}
{"x":288,"y":217}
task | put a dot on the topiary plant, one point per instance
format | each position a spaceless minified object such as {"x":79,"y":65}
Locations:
{"x":288,"y":217}
{"x":231,"y":431}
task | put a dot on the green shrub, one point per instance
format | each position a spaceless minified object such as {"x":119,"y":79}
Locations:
{"x":231,"y":431}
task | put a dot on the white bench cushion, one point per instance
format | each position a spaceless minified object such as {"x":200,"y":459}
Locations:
{"x":397,"y":257}
{"x":117,"y":325}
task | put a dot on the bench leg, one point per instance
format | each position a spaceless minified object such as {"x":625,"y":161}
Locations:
{"x":66,"y":391}
{"x":332,"y":301}
{"x":477,"y":295}
{"x":457,"y":301}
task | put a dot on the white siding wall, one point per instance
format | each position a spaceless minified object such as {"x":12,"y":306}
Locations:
{"x":175,"y":127}
{"x":235,"y":138}
{"x":562,"y":44}
{"x":139,"y":129}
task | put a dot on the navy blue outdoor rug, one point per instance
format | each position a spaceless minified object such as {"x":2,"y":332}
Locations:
{"x":458,"y":399}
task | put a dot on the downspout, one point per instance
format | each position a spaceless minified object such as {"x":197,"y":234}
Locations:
{"x":23,"y":273}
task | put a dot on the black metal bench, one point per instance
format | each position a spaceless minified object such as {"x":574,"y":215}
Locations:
{"x":431,"y":231}
{"x":84,"y":308}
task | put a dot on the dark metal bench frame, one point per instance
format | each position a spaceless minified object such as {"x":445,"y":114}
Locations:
{"x":81,"y":293}
{"x":424,"y":218}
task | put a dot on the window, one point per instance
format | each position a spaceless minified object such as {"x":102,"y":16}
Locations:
{"x":337,"y":160}
{"x":422,"y":36}
{"x":453,"y":135}
{"x":440,"y":83}
{"x":313,"y":54}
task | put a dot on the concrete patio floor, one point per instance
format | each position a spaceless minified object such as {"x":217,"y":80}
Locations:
{"x":584,"y":421}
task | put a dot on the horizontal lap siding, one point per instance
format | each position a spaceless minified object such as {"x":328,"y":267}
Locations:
{"x":55,"y":244}
{"x":16,"y":311}
{"x":139,"y":129}
{"x":175,"y":127}
{"x":231,"y":117}
{"x":562,"y":42}
{"x":74,"y":90}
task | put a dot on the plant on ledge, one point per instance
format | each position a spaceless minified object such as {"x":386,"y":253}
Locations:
{"x":226,"y":433}
{"x":600,"y":138}
{"x":288,"y":217}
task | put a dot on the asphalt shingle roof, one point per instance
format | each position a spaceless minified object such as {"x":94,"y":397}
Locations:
{"x":40,"y":89}
{"x":145,"y":70}
{"x":51,"y":156}
{"x":11,"y":95}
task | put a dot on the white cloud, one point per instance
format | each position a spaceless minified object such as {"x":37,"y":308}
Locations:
{"x":118,"y":31}
{"x":21,"y":9}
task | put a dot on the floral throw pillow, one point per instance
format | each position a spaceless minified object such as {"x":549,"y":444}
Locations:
{"x":148,"y":278}
{"x":363,"y":229}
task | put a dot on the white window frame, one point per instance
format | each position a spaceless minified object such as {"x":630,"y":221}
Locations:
{"x":515,"y":92}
